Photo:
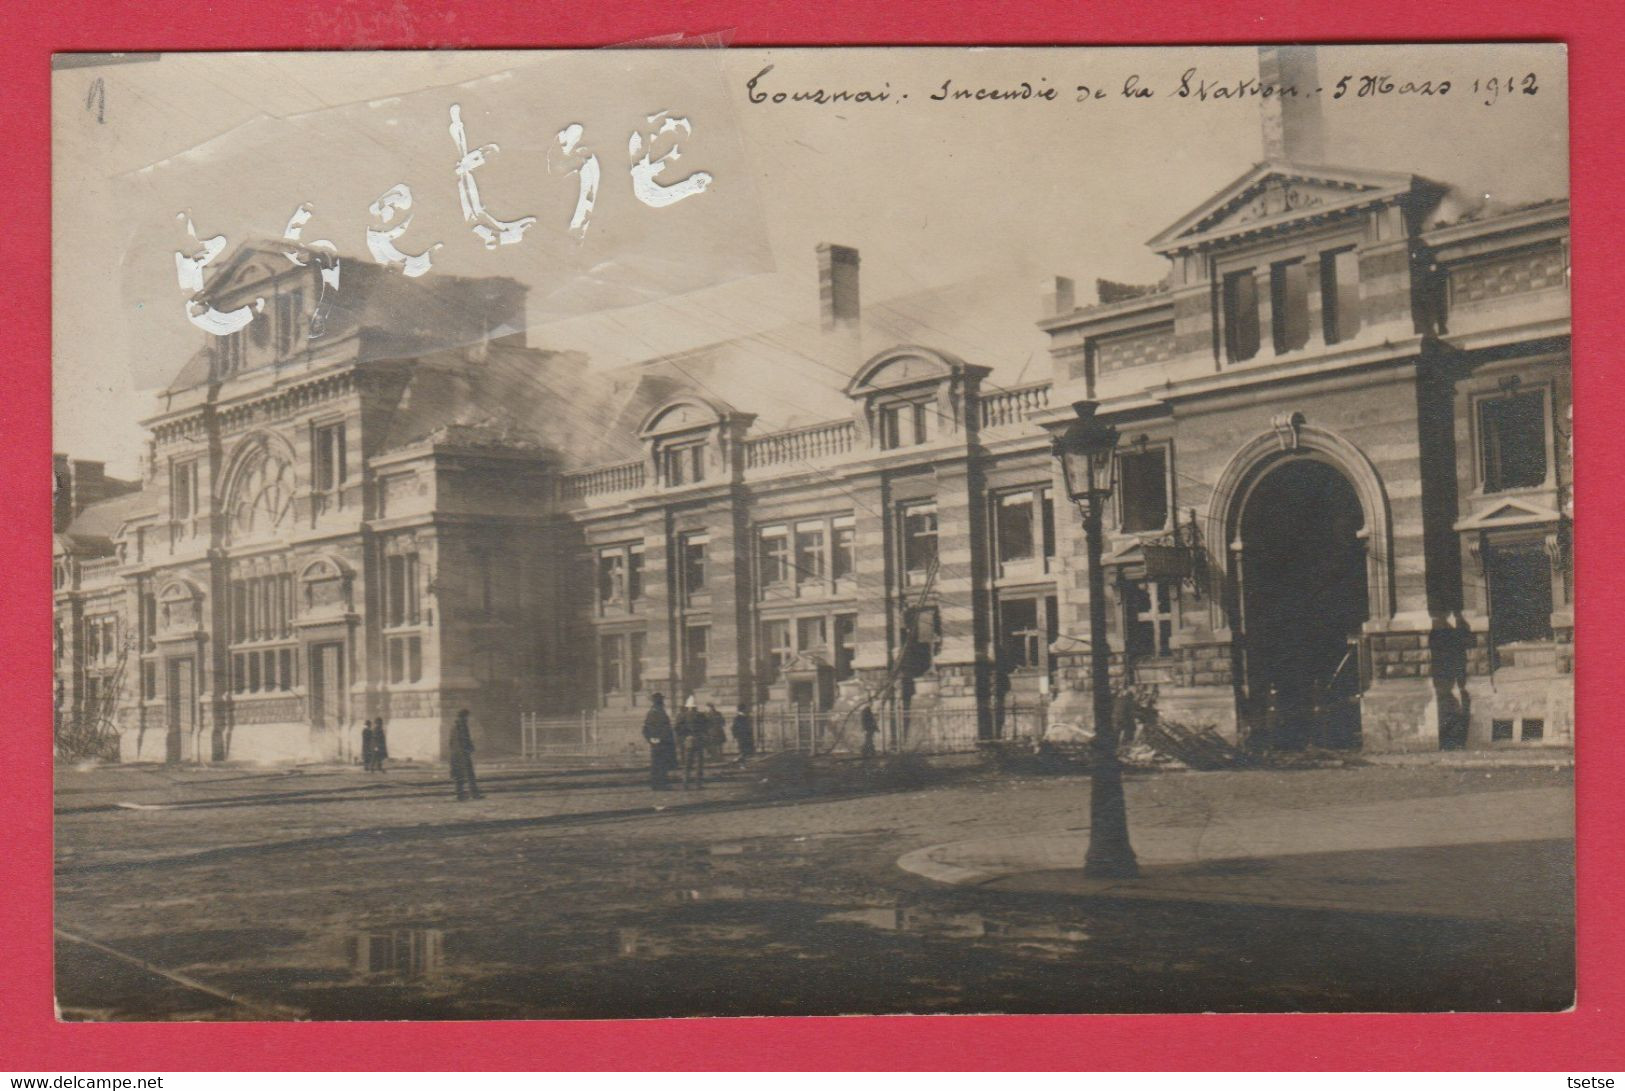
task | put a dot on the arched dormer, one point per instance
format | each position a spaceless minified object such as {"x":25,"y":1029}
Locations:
{"x":909,"y":395}
{"x":693,"y":440}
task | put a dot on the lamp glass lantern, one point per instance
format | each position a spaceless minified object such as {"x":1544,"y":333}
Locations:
{"x":1085,"y":449}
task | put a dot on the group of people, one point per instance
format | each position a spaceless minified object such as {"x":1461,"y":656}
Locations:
{"x":375,"y":751}
{"x":693,"y":738}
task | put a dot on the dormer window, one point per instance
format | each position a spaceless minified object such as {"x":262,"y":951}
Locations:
{"x":906,"y":424}
{"x":290,"y":313}
{"x":228,"y":354}
{"x":910,"y":395}
{"x":683,"y":464}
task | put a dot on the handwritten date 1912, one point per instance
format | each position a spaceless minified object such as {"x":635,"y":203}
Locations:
{"x":1381,"y":86}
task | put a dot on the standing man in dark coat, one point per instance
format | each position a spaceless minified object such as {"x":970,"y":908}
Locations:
{"x":691,"y":743}
{"x":744,"y":734}
{"x":462,"y":760}
{"x":367,"y":746}
{"x":662,"y":742}
{"x":871,"y":728}
{"x":716,"y":734}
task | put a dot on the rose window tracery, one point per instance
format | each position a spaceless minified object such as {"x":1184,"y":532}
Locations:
{"x":262,"y":495}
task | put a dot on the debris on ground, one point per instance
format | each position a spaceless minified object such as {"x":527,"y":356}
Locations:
{"x":1200,"y":748}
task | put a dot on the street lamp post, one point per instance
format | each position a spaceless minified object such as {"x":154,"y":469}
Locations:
{"x":1085,"y":452}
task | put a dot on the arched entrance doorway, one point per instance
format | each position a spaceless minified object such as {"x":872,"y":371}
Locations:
{"x":1303,"y":599}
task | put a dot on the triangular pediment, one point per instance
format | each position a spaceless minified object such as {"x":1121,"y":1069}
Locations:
{"x":1276,"y":193}
{"x":252,"y":267}
{"x":1509,"y":512}
{"x":1130,"y":552}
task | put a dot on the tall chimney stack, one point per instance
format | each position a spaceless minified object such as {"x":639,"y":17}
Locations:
{"x":1292,"y":121}
{"x":837,"y":286}
{"x":1057,"y":296}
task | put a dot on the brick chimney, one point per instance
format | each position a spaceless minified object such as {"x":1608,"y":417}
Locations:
{"x":1292,"y":121}
{"x":1057,"y":296}
{"x":837,"y":287}
{"x":77,"y":483}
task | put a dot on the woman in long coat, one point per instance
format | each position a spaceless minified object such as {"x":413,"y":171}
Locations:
{"x":662,"y":742}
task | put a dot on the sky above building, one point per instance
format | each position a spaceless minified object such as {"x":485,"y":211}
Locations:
{"x":959,"y":206}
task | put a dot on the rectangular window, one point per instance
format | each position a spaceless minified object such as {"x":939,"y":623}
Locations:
{"x":925,"y":415}
{"x":1532,"y":730}
{"x":401,"y":589}
{"x":1512,"y":441}
{"x":684,"y":464}
{"x":845,"y":554}
{"x":1052,"y":622}
{"x":285,"y":667}
{"x":610,"y":665}
{"x":846,"y":645}
{"x":1500,"y":731}
{"x":1149,"y":623}
{"x":919,"y":539}
{"x":673,"y":468}
{"x":1014,"y":527}
{"x":810,"y":553}
{"x":611,"y":577}
{"x":149,"y":620}
{"x":239,"y":672}
{"x":634,"y":573}
{"x":228,"y":354}
{"x":289,"y":313}
{"x":891,"y":427}
{"x":1020,"y":637}
{"x":693,"y":548}
{"x":183,"y":490}
{"x":1142,"y":489}
{"x":776,"y":648}
{"x":253,"y":673}
{"x":811,"y":635}
{"x":634,"y":662}
{"x":775,"y":555}
{"x":285,"y":596}
{"x":149,"y":681}
{"x":1339,"y":294}
{"x":1520,"y":590}
{"x":1047,"y":507}
{"x":907,"y":424}
{"x":1241,"y":333}
{"x":101,"y":640}
{"x":1289,"y":305}
{"x":405,"y":659}
{"x":696,"y":641}
{"x":330,"y":463}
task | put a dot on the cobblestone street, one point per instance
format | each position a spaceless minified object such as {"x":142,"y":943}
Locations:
{"x":220,"y":893}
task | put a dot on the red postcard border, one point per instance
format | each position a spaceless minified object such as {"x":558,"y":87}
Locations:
{"x":1589,"y":1037}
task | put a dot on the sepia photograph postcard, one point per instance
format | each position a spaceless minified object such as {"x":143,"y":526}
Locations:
{"x":732,"y":531}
